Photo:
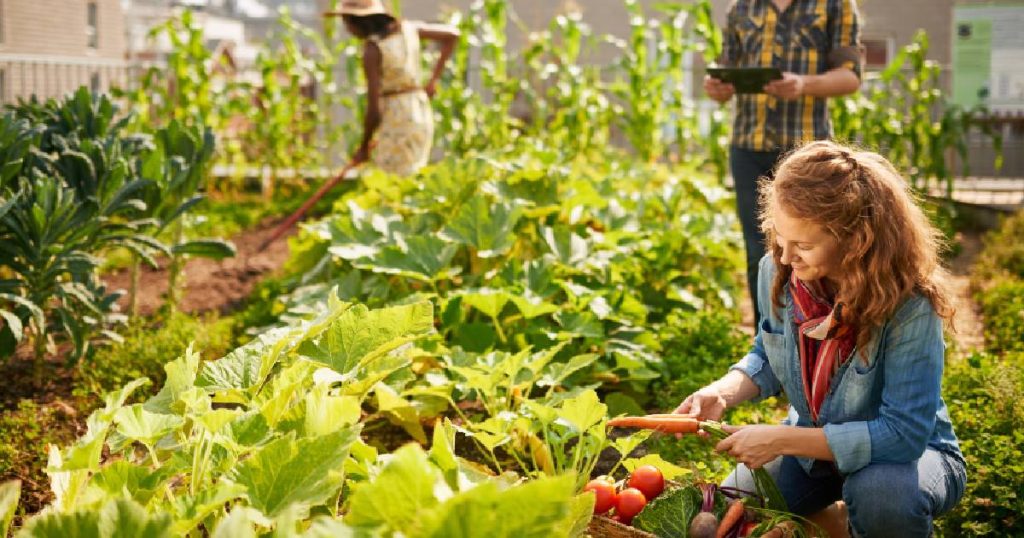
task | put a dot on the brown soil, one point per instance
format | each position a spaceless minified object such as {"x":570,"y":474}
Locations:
{"x":210,"y":285}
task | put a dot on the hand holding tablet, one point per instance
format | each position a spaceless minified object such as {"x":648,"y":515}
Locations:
{"x":746,"y":79}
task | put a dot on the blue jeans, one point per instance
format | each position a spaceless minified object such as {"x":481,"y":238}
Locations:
{"x":747,"y":167}
{"x":883,"y":499}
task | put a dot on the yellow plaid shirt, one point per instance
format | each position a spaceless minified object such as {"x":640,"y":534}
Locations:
{"x":810,"y":37}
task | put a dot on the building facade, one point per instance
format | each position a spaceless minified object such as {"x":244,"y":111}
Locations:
{"x":51,"y":47}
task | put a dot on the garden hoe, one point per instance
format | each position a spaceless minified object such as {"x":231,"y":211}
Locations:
{"x":294,"y":217}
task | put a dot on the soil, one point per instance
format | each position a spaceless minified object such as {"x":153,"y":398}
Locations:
{"x":210,"y":285}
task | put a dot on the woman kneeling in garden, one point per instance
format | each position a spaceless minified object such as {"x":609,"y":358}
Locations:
{"x":852,"y":303}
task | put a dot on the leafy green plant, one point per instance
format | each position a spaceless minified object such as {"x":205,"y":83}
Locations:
{"x":60,"y":211}
{"x":904,"y":114}
{"x":1002,"y":306}
{"x":985,"y":394}
{"x":1003,"y":255}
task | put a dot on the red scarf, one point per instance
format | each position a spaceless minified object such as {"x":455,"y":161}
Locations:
{"x":825,"y":341}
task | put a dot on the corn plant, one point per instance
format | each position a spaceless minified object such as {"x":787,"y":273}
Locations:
{"x":904,"y":113}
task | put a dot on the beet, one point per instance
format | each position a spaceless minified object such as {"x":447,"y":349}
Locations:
{"x":703,"y":525}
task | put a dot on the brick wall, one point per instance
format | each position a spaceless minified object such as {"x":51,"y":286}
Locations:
{"x":45,"y":49}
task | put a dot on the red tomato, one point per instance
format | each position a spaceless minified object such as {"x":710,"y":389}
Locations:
{"x":630,"y":502}
{"x":748,"y":528}
{"x":604,"y":494}
{"x":647,"y":479}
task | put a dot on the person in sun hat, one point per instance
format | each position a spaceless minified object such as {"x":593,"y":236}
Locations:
{"x":853,"y":299}
{"x":399,"y":123}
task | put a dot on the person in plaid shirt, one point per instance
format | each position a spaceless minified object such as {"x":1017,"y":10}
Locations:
{"x":816,"y":45}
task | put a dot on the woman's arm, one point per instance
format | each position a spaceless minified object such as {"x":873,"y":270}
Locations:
{"x":710,"y":402}
{"x":757,"y":445}
{"x":912,"y":360}
{"x":372,"y":70}
{"x":448,"y":37}
{"x":832,"y":83}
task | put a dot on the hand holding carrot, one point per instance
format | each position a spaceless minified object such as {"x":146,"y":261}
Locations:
{"x":754,"y":445}
{"x":705,"y":404}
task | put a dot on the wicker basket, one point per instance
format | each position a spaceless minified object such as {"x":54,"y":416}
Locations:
{"x":604,"y":527}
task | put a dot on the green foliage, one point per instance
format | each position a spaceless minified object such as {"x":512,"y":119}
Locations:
{"x":985,"y":394}
{"x":9,"y":494}
{"x":1002,"y":305}
{"x":905,"y":115}
{"x":282,"y":445}
{"x":1003,"y":255}
{"x":76,"y":186}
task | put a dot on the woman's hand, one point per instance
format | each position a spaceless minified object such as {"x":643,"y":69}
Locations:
{"x":705,"y":404}
{"x":718,"y":90}
{"x":754,"y":446}
{"x":790,"y":86}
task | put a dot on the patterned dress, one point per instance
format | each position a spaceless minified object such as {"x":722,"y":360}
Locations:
{"x":406,"y":130}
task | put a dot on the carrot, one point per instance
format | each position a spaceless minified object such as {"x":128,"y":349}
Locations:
{"x":678,"y":424}
{"x":786,"y":529}
{"x":732,"y":516}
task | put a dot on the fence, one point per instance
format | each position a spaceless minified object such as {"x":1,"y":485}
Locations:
{"x":23,"y":75}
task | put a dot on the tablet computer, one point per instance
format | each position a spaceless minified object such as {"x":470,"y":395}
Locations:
{"x":746,"y":79}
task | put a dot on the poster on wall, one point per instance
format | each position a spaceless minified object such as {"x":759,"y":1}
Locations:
{"x":988,"y":56}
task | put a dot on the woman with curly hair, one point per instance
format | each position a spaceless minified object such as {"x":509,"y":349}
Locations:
{"x":852,"y":303}
{"x":399,"y":123}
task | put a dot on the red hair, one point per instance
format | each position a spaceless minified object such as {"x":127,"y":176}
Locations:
{"x":889,"y":248}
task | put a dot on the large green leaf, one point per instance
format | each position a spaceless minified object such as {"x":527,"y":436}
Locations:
{"x":135,"y":423}
{"x":190,"y":510}
{"x":568,"y":247}
{"x":217,"y":249}
{"x":484,"y":225}
{"x":488,"y":301}
{"x":306,"y":472}
{"x":181,"y":377}
{"x":119,"y":518}
{"x":534,"y":509}
{"x":360,"y":334}
{"x":583,"y":412}
{"x":399,"y":496}
{"x":421,"y":257}
{"x":10,"y":492}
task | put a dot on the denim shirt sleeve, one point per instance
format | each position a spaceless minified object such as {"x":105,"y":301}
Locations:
{"x":755,"y":363}
{"x":912,"y":361}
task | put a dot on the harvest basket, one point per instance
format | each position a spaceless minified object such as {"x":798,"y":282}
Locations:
{"x":605,"y":527}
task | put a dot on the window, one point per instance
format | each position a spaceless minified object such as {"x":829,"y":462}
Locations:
{"x":94,"y":82}
{"x":92,"y":33}
{"x":877,"y":52}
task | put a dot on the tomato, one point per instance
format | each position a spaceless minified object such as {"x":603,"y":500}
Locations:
{"x":748,"y":528}
{"x":647,"y":479}
{"x":629,"y":503}
{"x":604,"y":494}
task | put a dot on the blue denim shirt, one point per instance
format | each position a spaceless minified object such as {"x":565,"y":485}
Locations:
{"x":885,"y":411}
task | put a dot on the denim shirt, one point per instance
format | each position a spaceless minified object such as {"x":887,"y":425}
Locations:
{"x":885,"y":411}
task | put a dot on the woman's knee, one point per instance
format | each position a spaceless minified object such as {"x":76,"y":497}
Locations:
{"x":887,"y":500}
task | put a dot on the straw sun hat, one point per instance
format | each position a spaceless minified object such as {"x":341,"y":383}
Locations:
{"x":360,"y":8}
